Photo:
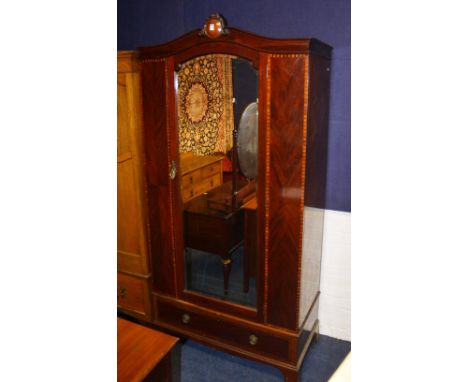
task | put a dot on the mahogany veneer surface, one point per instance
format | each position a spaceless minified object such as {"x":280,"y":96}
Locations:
{"x":139,"y":350}
{"x":293,"y":91}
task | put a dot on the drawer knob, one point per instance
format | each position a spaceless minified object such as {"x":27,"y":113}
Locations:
{"x":185,"y":318}
{"x":123,"y":292}
{"x":253,"y":340}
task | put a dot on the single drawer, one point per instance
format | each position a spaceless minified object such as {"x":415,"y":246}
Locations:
{"x":188,"y":180}
{"x":256,"y":341}
{"x":132,"y":294}
{"x":192,"y":192}
{"x":199,"y":188}
{"x":210,"y":170}
{"x":210,"y":183}
{"x":188,"y":193}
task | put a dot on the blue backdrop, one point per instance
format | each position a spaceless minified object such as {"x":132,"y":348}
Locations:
{"x":150,"y":22}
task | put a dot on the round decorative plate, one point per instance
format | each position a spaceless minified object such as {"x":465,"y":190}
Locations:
{"x":247,"y":142}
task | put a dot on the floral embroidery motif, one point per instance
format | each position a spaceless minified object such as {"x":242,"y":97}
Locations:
{"x":196,"y":103}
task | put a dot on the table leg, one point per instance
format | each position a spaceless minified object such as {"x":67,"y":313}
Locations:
{"x":227,"y":271}
{"x":290,"y":375}
{"x":246,"y":275}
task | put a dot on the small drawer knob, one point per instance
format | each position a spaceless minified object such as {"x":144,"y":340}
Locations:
{"x":185,"y":318}
{"x":253,"y":340}
{"x":123,"y":292}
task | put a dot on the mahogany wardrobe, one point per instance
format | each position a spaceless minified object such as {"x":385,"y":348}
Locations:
{"x":230,"y":138}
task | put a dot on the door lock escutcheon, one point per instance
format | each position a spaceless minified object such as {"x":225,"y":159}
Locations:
{"x":173,"y":171}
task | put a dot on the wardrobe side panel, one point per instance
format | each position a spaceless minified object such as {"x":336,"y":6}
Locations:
{"x":316,"y":182}
{"x":317,"y":137}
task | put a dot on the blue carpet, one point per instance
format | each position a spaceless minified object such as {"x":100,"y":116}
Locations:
{"x":205,"y":275}
{"x":200,"y":363}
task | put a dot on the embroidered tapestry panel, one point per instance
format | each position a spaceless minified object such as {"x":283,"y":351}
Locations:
{"x":205,"y":105}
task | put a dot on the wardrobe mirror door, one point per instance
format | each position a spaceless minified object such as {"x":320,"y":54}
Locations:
{"x":216,"y":97}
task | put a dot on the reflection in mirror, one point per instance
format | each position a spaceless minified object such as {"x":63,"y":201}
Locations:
{"x":217,"y":122}
{"x":247,"y":141}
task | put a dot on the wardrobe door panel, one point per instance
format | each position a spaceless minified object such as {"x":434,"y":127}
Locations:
{"x":217,"y":124}
{"x":131,"y":220}
{"x":286,"y":131}
{"x":128,"y":228}
{"x":153,"y":74}
{"x":123,"y":116}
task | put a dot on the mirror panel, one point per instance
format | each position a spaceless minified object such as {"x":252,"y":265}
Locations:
{"x":247,"y":141}
{"x":219,"y":199}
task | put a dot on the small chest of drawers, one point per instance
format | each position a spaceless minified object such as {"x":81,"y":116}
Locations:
{"x":200,"y":174}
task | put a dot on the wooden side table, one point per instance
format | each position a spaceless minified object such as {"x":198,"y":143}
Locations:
{"x":212,"y":225}
{"x":145,"y":354}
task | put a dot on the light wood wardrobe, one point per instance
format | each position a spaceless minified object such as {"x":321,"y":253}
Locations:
{"x":133,"y":262}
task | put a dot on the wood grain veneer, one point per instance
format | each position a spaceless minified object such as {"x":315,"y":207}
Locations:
{"x":133,"y":295}
{"x":132,"y":223}
{"x":286,"y":163}
{"x":143,"y":354}
{"x":293,"y":91}
{"x":225,"y":330}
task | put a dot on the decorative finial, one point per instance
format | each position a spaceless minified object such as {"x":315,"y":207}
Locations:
{"x":214,"y":27}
